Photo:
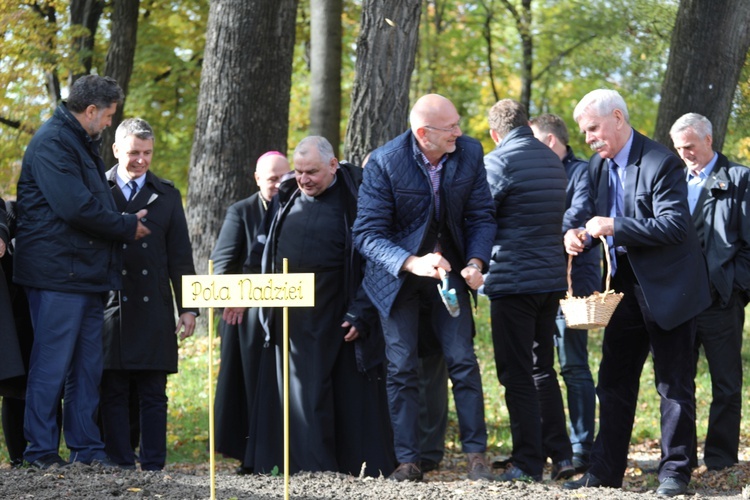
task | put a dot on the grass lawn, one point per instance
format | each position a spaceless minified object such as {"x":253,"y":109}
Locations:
{"x":187,"y":434}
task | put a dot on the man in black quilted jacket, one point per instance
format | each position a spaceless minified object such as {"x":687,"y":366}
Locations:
{"x":525,"y":284}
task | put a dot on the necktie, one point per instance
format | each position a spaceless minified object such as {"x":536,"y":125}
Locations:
{"x":133,"y":190}
{"x":618,"y":198}
{"x":617,"y":204}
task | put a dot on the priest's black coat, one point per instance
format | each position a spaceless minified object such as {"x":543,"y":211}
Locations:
{"x":338,"y":403}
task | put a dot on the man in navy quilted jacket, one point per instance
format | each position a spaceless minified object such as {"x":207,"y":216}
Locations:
{"x":425,"y":205}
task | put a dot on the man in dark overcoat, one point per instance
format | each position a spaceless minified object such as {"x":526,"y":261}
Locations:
{"x":140,"y":333}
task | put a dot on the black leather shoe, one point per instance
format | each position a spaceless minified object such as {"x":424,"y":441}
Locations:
{"x":108,"y":463}
{"x":588,"y":480}
{"x":513,"y":473}
{"x":562,"y":470}
{"x":671,"y":487}
{"x":47,"y":461}
{"x":407,"y":471}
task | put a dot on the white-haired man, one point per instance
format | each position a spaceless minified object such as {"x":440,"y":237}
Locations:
{"x":638,"y":198}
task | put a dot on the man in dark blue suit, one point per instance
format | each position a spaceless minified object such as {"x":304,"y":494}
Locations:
{"x":424,"y":205}
{"x":639,"y":202}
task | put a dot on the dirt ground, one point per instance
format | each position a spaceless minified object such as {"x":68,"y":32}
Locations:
{"x":193,"y":482}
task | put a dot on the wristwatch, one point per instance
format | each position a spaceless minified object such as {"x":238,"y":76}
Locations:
{"x":475,"y":266}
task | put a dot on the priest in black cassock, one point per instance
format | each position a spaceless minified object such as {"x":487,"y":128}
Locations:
{"x":240,"y":349}
{"x":338,"y":408}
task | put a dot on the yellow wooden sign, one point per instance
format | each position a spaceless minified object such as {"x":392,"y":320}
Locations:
{"x":249,"y":290}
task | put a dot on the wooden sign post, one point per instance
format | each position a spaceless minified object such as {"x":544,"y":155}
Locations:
{"x":248,"y":290}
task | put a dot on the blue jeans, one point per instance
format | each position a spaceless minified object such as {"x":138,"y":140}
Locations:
{"x":67,"y":352}
{"x":573,"y":354}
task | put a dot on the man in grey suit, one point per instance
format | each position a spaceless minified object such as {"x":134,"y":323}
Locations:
{"x":638,"y":198}
{"x":719,"y":198}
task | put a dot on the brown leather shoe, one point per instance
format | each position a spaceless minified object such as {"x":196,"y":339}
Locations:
{"x":407,"y":471}
{"x":478,"y":468}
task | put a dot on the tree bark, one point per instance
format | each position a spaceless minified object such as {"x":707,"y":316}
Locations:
{"x":523,"y":20}
{"x":386,"y":50}
{"x":709,"y":44}
{"x":120,"y":57}
{"x":85,"y":13}
{"x":243,"y":109}
{"x":325,"y":70}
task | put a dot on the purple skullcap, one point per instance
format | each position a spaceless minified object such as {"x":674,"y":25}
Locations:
{"x":271,"y":153}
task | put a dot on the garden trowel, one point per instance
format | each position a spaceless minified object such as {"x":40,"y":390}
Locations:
{"x":448,"y":295}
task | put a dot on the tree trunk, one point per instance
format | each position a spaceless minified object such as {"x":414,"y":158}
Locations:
{"x":709,"y":44}
{"x":386,"y":50}
{"x":120,"y":58}
{"x":243,"y":109}
{"x":522,"y":20}
{"x":325,"y":70}
{"x":85,"y":13}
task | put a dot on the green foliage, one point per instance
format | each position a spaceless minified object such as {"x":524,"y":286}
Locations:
{"x":737,"y":140}
{"x":166,"y":80}
{"x":163,"y":88}
{"x":577,"y":46}
{"x":27,"y":51}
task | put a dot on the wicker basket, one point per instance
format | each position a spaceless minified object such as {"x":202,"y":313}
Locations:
{"x":594,"y":311}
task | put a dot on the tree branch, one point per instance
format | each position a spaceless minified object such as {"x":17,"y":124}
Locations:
{"x":556,"y":60}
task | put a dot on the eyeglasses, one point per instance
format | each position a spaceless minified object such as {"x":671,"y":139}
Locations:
{"x":453,"y":128}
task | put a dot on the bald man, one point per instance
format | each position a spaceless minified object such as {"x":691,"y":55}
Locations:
{"x":425,"y":205}
{"x":236,"y":384}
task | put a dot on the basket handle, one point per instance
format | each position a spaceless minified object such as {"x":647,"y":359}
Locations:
{"x":609,"y":263}
{"x":609,"y":268}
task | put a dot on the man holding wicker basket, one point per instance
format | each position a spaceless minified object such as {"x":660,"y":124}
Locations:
{"x":638,"y":200}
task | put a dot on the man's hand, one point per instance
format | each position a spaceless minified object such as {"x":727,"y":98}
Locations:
{"x":352,"y":334}
{"x":426,"y":265}
{"x":574,"y":241}
{"x":601,"y":226}
{"x":140,"y":229}
{"x":472,"y":275}
{"x":186,"y":321}
{"x":233,"y":315}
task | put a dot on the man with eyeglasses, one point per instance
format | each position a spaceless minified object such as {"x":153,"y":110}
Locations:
{"x":425,"y":206}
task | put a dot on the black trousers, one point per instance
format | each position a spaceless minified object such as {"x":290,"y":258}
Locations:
{"x":523,"y":337}
{"x":720,"y":334}
{"x":628,"y":339}
{"x":115,"y":416}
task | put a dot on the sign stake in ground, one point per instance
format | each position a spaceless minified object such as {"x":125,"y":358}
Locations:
{"x":248,"y":290}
